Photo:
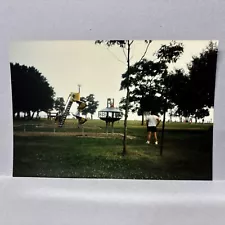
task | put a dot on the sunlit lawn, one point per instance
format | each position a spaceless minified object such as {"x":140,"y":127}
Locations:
{"x":187,"y":152}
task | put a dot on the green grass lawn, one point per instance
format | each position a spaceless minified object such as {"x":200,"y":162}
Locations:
{"x":187,"y":153}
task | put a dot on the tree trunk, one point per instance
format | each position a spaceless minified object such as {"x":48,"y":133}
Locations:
{"x":196,"y":119}
{"x":142,"y":119}
{"x":180,"y":119}
{"x":37,"y":116}
{"x":171,"y":116}
{"x":127,"y":103}
{"x":18,"y":115}
{"x":125,"y":124}
{"x":91,"y":116}
{"x":28,"y":115}
{"x":32,"y":116}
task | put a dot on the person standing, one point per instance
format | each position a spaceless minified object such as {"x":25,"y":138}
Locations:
{"x":152,"y":121}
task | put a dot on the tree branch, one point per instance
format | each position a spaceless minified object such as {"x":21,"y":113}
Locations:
{"x":116,"y":56}
{"x":124,"y":54}
{"x":145,"y":50}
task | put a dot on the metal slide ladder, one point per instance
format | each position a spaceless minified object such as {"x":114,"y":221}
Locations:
{"x":73,"y":97}
{"x":65,"y":113}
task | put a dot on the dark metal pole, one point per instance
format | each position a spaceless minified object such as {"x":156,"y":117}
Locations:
{"x":107,"y":127}
{"x":164,"y":119}
{"x":112,"y":127}
{"x":163,"y":129}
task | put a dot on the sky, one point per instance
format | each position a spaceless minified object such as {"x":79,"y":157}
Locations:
{"x":97,"y":68}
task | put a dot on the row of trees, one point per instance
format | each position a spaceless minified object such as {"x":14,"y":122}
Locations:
{"x":150,"y":86}
{"x":187,"y":94}
{"x":32,"y":93}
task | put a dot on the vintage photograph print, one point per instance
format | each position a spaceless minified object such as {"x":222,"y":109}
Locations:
{"x":113,"y":109}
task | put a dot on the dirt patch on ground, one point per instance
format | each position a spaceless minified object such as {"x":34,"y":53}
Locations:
{"x":76,"y":134}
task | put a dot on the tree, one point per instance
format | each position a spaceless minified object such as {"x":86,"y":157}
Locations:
{"x":202,"y":72}
{"x":201,"y":113}
{"x":193,"y":93}
{"x":147,"y":78}
{"x":125,"y":45}
{"x":178,"y":91}
{"x":31,"y":91}
{"x":167,"y":54}
{"x":122,"y":105}
{"x":145,"y":84}
{"x":92,"y":105}
{"x":59,"y":104}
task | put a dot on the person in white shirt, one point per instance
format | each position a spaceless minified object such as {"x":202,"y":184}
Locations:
{"x":152,"y":121}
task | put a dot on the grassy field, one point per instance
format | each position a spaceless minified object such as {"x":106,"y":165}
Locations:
{"x":43,"y":150}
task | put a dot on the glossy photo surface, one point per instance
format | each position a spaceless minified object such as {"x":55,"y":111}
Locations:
{"x":115,"y":109}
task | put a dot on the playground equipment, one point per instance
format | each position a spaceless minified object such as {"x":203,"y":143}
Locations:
{"x":110,"y":114}
{"x":73,"y":97}
{"x":52,"y":115}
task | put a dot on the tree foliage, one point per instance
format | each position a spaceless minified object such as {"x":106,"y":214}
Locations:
{"x":31,"y":91}
{"x":193,"y":92}
{"x":59,"y":104}
{"x":170,"y":53}
{"x":178,"y":89}
{"x":202,"y":71}
{"x":147,"y":80}
{"x":92,"y":105}
{"x":144,"y":83}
